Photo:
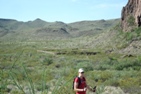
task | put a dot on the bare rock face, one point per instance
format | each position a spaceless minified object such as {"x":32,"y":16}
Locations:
{"x":131,"y":15}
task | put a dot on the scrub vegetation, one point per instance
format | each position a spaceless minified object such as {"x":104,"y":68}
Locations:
{"x":49,"y":65}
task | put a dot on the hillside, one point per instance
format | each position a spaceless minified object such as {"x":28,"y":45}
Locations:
{"x":39,"y":29}
{"x":91,"y":28}
{"x":101,"y":35}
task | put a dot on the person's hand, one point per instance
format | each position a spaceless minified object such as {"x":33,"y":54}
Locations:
{"x":85,"y":89}
{"x":94,"y":89}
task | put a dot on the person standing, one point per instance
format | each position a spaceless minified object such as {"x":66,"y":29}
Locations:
{"x":80,"y":84}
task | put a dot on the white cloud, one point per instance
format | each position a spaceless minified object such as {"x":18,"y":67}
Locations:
{"x":105,"y":5}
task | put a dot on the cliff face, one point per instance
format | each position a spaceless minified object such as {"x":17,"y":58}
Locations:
{"x":131,"y":15}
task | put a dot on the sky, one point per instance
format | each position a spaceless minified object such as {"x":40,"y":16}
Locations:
{"x":67,"y":11}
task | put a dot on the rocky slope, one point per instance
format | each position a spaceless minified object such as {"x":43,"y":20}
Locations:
{"x":131,"y":15}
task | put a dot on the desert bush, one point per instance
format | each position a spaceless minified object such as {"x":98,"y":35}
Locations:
{"x":113,"y":81}
{"x":131,"y":20}
{"x":3,"y":82}
{"x":103,"y":67}
{"x":128,"y":65}
{"x":16,"y":92}
{"x":105,"y":75}
{"x":134,"y":35}
{"x":86,"y":64}
{"x":100,"y":76}
{"x":129,"y":82}
{"x":106,"y":65}
{"x":129,"y":36}
{"x":47,"y":61}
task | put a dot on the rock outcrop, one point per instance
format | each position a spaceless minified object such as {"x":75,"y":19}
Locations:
{"x":131,"y":15}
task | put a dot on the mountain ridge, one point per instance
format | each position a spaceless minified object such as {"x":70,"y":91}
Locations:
{"x":54,"y":29}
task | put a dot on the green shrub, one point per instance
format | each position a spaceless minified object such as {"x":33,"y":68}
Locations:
{"x":134,"y":35}
{"x":16,"y":92}
{"x":131,"y":20}
{"x":113,"y":81}
{"x":129,"y":82}
{"x":135,"y":65}
{"x":47,"y":61}
{"x":3,"y":81}
{"x":138,"y":32}
{"x":105,"y":75}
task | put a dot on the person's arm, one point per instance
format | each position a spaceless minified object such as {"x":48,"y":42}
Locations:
{"x":77,"y":89}
{"x":88,"y":87}
{"x":92,"y":90}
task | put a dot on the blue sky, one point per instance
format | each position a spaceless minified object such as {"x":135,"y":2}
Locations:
{"x":61,"y":10}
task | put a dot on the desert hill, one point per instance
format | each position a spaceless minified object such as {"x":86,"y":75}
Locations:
{"x":41,"y":29}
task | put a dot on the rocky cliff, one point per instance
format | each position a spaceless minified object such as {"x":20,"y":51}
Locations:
{"x":131,"y":15}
